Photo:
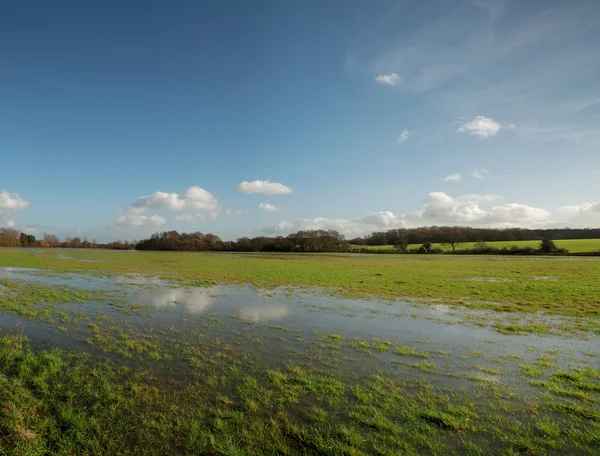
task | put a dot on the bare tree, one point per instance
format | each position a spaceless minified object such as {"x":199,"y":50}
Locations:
{"x":452,"y":237}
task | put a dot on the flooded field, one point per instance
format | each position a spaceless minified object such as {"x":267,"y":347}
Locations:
{"x":116,"y":363}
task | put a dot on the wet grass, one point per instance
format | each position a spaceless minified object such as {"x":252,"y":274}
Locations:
{"x":504,"y":286}
{"x":142,"y":380}
{"x":406,"y":350}
{"x":57,"y":402}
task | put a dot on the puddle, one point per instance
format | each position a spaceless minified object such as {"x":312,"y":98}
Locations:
{"x":264,"y":313}
{"x":279,"y":324}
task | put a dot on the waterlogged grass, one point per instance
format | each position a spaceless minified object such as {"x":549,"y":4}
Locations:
{"x":167,"y":381}
{"x":407,"y":350}
{"x":56,"y":402}
{"x":56,"y":304}
{"x":556,"y":286}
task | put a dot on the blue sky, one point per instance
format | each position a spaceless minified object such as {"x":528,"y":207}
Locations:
{"x":119,"y":119}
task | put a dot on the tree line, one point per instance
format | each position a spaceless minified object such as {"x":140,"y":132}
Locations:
{"x":10,"y":237}
{"x":333,"y":241}
{"x":302,"y":241}
{"x":421,"y":239}
{"x":458,"y":234}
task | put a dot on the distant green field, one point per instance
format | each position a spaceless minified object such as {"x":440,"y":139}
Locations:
{"x":572,"y":245}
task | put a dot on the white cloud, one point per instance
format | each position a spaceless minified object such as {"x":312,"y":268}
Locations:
{"x":452,"y":178}
{"x":267,"y":207}
{"x":280,"y":228}
{"x":12,"y":201}
{"x":134,"y":217}
{"x":515,"y":214}
{"x":581,"y":208}
{"x":10,"y":204}
{"x":383,"y":219}
{"x":480,"y":173}
{"x":347,"y":227}
{"x":139,"y":221}
{"x":481,"y":126}
{"x":585,"y":214}
{"x":265,"y":187}
{"x":199,"y":217}
{"x":194,"y":198}
{"x":403,"y":136}
{"x":390,"y":79}
{"x":376,"y":221}
{"x":10,"y":223}
{"x":438,"y":209}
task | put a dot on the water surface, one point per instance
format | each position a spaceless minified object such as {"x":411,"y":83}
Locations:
{"x":278,"y":325}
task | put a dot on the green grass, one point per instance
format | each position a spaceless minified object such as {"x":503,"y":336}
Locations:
{"x":572,"y":245}
{"x":406,"y":350}
{"x":561,"y":286}
{"x":55,"y":402}
{"x":214,"y":385}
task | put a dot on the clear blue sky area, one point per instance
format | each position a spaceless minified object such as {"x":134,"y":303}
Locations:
{"x":119,"y":119}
